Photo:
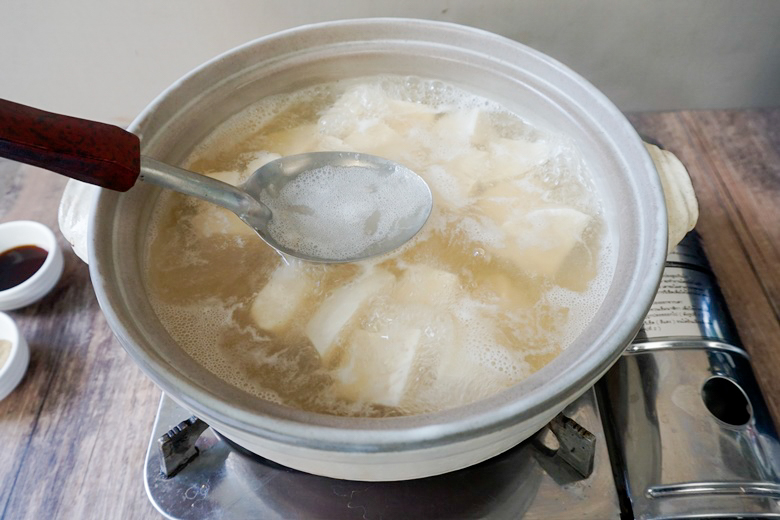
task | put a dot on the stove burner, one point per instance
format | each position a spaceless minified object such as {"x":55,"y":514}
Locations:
{"x":532,"y":480}
{"x":575,"y":445}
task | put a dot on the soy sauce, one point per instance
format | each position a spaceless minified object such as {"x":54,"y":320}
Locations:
{"x":19,"y":264}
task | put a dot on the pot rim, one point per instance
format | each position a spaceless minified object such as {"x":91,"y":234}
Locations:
{"x":491,"y":414}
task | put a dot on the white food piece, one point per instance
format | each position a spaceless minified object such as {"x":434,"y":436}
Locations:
{"x":367,"y":120}
{"x":388,"y":133}
{"x":681,"y":204}
{"x":546,"y":237}
{"x":379,"y":139}
{"x":459,"y":176}
{"x":466,"y":374}
{"x":408,"y":118}
{"x":537,"y":239}
{"x":446,"y":191}
{"x":356,"y":110}
{"x":503,"y":207}
{"x":421,"y":284}
{"x":512,"y":157}
{"x":472,"y":361}
{"x":456,"y":135}
{"x":377,"y":136}
{"x":212,"y":220}
{"x":459,"y":128}
{"x":324,"y":327}
{"x":364,"y":106}
{"x":508,"y":201}
{"x":278,"y":301}
{"x":234,"y":178}
{"x":378,"y":366}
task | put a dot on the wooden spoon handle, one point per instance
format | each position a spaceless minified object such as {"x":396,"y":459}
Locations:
{"x":97,"y":153}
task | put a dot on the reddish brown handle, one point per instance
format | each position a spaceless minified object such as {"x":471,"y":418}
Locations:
{"x":97,"y":153}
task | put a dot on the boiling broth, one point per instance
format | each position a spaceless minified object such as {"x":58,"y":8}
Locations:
{"x":512,"y":264}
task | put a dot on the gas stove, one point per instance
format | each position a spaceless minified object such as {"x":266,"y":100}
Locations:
{"x":677,"y":428}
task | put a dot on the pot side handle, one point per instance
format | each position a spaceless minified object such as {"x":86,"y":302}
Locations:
{"x":73,"y":215}
{"x":681,"y":204}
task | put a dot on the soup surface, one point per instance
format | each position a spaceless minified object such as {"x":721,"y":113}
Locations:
{"x":512,"y":264}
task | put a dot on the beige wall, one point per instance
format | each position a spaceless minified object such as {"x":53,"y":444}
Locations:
{"x":106,"y":59}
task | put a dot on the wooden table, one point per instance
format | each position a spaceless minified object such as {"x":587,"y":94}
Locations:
{"x":75,"y":432}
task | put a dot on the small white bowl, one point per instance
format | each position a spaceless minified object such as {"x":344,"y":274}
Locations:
{"x":12,"y":371}
{"x":29,"y":233}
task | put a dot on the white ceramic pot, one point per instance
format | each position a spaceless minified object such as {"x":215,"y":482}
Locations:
{"x":407,"y":447}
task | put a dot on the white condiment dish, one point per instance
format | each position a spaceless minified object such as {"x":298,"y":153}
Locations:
{"x":23,"y":233}
{"x":13,"y":369}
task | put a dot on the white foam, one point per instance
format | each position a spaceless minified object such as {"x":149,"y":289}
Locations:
{"x":340,"y":212}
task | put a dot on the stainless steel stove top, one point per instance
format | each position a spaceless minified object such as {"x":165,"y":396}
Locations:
{"x":678,"y":428}
{"x":529,"y":481}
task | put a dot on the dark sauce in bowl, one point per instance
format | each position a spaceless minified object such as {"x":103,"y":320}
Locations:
{"x":19,"y":264}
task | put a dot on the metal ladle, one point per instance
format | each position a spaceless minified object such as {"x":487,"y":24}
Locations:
{"x":321,"y":206}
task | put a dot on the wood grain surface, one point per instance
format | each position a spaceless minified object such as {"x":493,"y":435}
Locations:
{"x":74,"y":433}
